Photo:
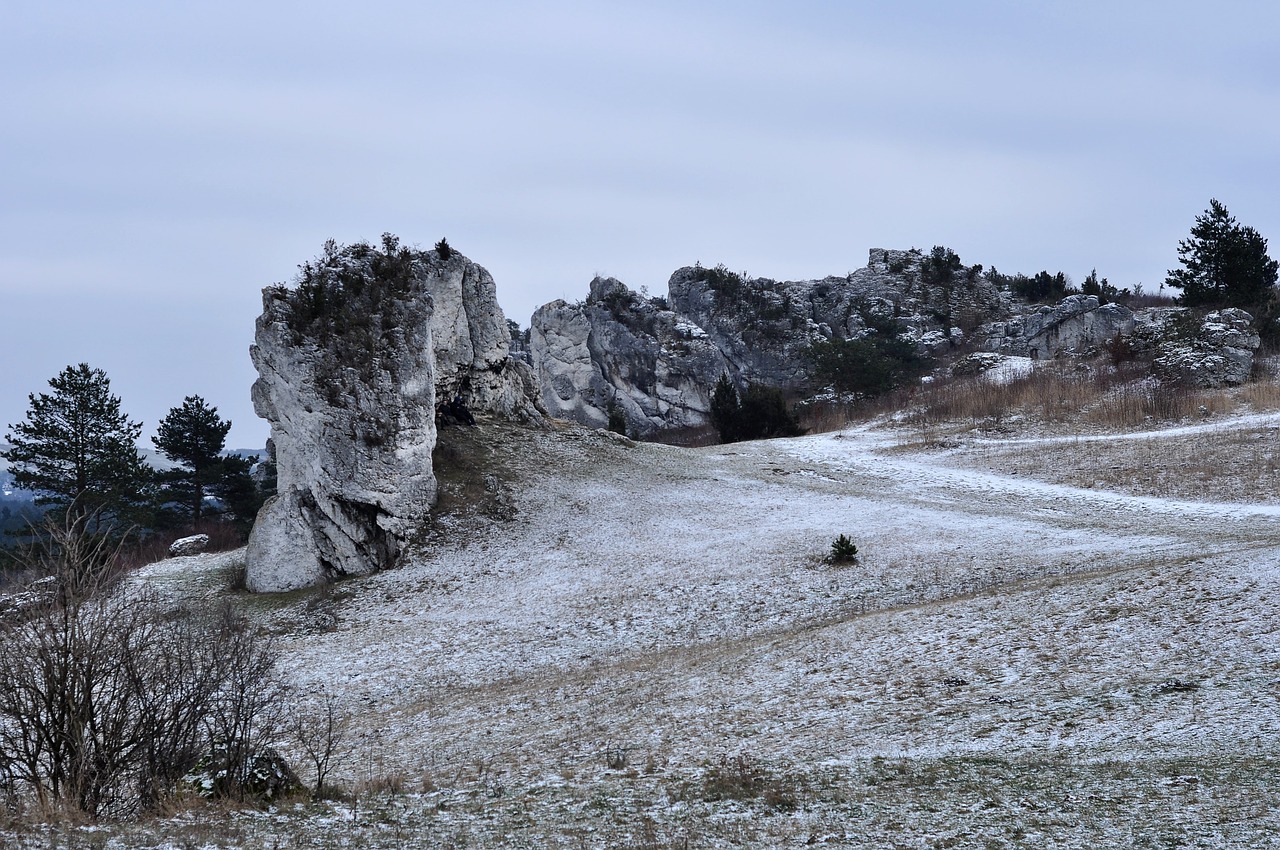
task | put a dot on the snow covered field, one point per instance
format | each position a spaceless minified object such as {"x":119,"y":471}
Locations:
{"x":606,"y":644}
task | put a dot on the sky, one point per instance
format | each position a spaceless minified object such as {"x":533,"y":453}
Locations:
{"x":160,"y":163}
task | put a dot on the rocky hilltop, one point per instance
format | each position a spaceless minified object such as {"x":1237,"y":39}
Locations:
{"x":352,"y":360}
{"x":650,"y":364}
{"x":654,"y":361}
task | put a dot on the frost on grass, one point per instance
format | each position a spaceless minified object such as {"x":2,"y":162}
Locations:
{"x":1011,"y":662}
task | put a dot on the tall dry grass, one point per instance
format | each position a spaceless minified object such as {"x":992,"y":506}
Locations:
{"x":1105,"y":396}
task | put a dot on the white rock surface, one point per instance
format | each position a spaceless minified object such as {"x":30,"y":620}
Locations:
{"x":350,"y":389}
{"x":1221,"y":354}
{"x":619,"y":351}
{"x":193,"y":545}
{"x":471,"y":342}
{"x":1077,"y":324}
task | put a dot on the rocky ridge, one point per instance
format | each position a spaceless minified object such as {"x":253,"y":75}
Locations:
{"x":619,"y":359}
{"x":359,"y":357}
{"x":654,"y":361}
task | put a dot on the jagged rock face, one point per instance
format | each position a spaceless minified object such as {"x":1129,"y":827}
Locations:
{"x":472,"y":341}
{"x":1219,"y":354}
{"x":1077,"y":325}
{"x":350,"y":364}
{"x":765,"y":327}
{"x":658,"y":364}
{"x":621,"y":352}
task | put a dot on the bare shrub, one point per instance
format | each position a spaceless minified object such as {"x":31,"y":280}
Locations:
{"x":322,"y":730}
{"x":389,"y":784}
{"x":109,"y":699}
{"x":742,"y":777}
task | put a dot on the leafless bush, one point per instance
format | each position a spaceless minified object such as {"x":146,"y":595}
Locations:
{"x":322,"y":730}
{"x":742,"y":777}
{"x":108,"y":699}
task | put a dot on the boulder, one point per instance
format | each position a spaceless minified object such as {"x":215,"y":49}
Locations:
{"x":193,"y":545}
{"x":977,"y":363}
{"x":225,"y":771}
{"x":38,"y":594}
{"x":1219,"y":354}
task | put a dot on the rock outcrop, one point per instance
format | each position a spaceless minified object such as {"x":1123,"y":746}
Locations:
{"x":471,"y":341}
{"x":351,"y":362}
{"x":1079,"y":324}
{"x":1216,"y":352}
{"x":655,"y":361}
{"x":622,"y":355}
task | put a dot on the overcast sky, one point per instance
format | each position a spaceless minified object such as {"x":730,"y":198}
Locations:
{"x":161,"y":162}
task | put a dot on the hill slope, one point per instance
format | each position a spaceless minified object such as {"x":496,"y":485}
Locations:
{"x":602,"y":643}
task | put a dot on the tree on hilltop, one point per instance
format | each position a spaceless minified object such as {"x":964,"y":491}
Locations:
{"x":193,"y":436}
{"x":78,"y":452}
{"x":1224,"y":264}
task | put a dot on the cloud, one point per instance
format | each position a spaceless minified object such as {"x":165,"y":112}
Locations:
{"x":180,"y":157}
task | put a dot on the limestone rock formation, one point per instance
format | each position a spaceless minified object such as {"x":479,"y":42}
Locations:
{"x":656,"y":360}
{"x":471,"y":340}
{"x":623,"y":355}
{"x":1219,"y":354}
{"x":765,"y":327}
{"x":1077,"y":325}
{"x":351,"y":361}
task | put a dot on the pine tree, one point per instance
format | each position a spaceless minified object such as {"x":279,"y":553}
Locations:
{"x":78,"y":452}
{"x":724,"y":409}
{"x":193,"y":437}
{"x":1224,"y":264}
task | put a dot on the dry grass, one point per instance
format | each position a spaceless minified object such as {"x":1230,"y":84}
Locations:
{"x":1100,"y":397}
{"x":1235,"y":466}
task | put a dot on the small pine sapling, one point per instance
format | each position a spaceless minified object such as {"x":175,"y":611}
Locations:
{"x":843,"y":551}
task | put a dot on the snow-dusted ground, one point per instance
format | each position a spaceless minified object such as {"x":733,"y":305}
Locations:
{"x":1011,"y":663}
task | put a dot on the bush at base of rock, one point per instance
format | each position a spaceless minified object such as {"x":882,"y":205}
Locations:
{"x":758,"y":414}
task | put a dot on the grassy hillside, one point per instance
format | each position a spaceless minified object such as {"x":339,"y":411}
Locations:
{"x":606,"y":644}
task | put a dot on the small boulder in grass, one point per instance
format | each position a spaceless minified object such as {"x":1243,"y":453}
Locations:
{"x":193,"y":545}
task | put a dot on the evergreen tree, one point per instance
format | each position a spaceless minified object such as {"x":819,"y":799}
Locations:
{"x":1224,"y":264}
{"x":724,"y":409}
{"x":761,"y":412}
{"x":237,"y":489}
{"x":78,"y":451}
{"x":193,"y":437}
{"x":869,"y":365}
